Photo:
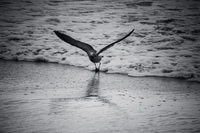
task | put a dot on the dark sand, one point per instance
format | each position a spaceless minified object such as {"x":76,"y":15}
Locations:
{"x":52,"y":98}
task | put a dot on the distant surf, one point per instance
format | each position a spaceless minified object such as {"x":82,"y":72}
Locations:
{"x":165,"y":41}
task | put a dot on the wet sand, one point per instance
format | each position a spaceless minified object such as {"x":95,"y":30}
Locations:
{"x":46,"y":97}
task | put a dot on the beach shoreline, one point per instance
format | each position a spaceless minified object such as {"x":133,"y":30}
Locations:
{"x":41,"y":97}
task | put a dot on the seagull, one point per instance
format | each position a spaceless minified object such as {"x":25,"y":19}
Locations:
{"x":91,"y":52}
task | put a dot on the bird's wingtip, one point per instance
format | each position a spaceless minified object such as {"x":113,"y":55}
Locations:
{"x":55,"y":31}
{"x":131,"y":32}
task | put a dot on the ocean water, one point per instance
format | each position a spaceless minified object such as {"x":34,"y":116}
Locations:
{"x":166,"y":40}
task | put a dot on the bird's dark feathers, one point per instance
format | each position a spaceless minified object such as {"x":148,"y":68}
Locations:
{"x":112,"y":44}
{"x":84,"y":46}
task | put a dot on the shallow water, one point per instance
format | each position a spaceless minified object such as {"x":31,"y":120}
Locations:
{"x":165,"y":41}
{"x":45,"y":97}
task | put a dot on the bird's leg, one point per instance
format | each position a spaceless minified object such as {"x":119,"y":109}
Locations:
{"x":95,"y":65}
{"x":99,"y":65}
{"x":96,"y":69}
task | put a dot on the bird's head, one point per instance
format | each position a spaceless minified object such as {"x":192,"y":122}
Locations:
{"x":101,"y":57}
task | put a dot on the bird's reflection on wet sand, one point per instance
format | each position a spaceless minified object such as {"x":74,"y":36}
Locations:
{"x":93,"y":86}
{"x":92,"y":95}
{"x":93,"y":89}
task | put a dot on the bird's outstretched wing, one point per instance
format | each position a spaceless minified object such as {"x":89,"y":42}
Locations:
{"x":84,"y":46}
{"x":110,"y":45}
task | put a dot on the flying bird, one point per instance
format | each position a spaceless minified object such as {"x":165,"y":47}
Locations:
{"x":91,"y":52}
